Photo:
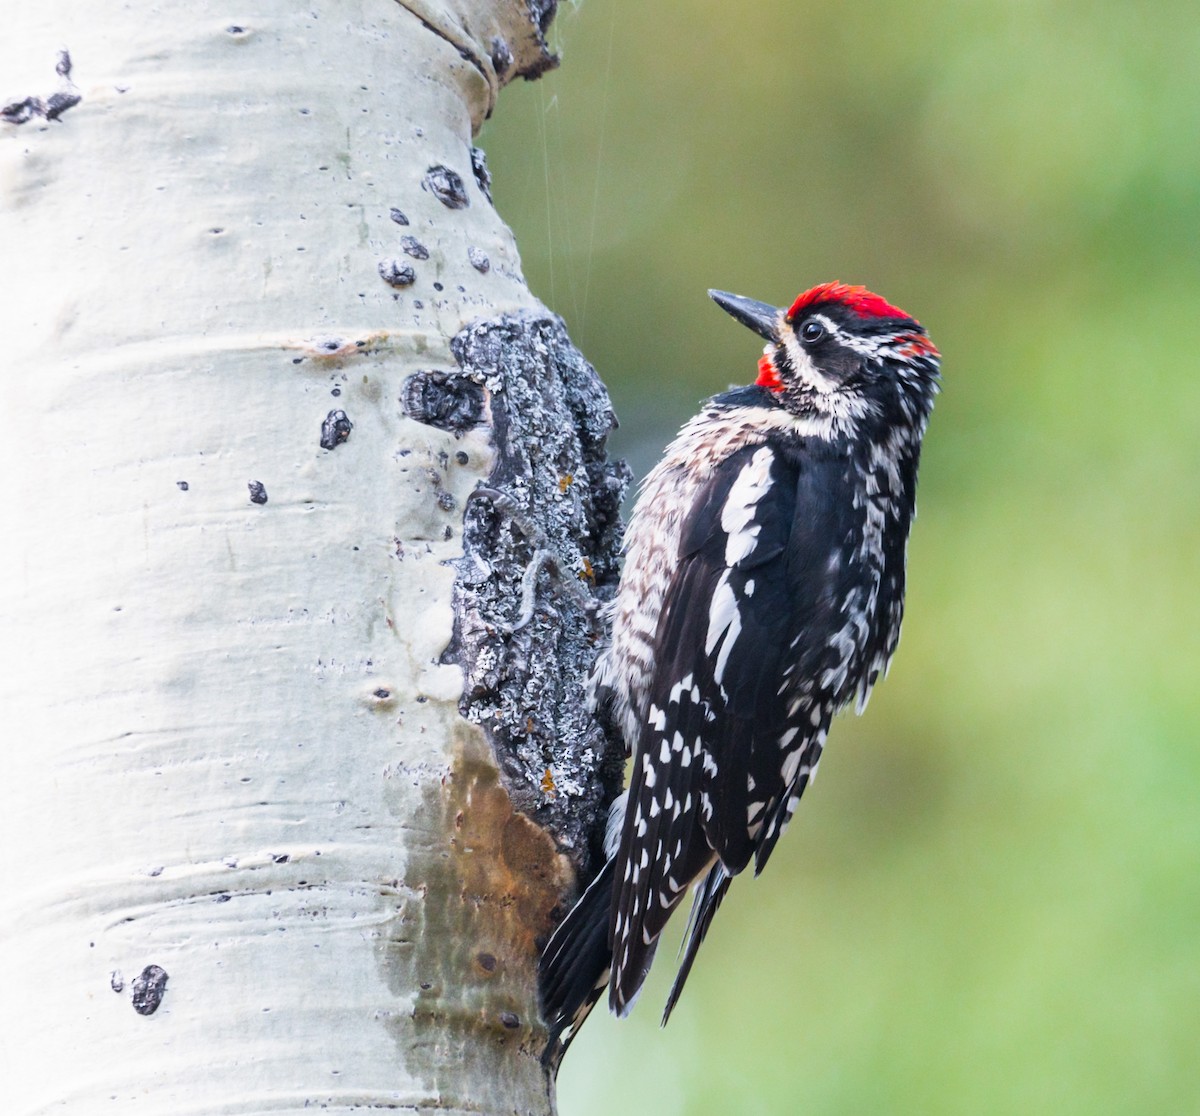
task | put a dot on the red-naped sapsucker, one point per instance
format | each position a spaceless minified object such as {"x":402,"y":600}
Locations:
{"x":762,"y":591}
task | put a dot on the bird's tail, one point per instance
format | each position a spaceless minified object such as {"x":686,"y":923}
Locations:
{"x":704,"y":905}
{"x":574,"y":967}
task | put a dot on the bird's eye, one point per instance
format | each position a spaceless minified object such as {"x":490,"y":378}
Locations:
{"x":812,"y":331}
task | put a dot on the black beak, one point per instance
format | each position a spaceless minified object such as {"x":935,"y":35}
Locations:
{"x":758,"y":316}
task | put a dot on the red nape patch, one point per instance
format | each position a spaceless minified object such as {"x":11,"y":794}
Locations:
{"x":859,"y":299}
{"x":768,"y":374}
{"x":918,"y":346}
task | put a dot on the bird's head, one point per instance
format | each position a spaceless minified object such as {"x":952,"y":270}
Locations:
{"x":843,"y":352}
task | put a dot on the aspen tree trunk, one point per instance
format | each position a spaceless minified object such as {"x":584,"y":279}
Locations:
{"x":306,"y":515}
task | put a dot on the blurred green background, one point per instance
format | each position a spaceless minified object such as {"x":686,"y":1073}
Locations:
{"x":990,"y":900}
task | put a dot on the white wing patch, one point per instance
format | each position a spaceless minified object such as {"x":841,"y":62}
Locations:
{"x":723,"y":619}
{"x":752,"y":483}
{"x":739,"y":522}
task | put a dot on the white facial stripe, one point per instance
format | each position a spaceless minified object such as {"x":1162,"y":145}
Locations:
{"x":806,"y":372}
{"x":866,"y":346}
{"x":843,"y":405}
{"x":856,"y":344}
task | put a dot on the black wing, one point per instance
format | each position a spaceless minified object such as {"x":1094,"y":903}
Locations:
{"x":730,"y":736}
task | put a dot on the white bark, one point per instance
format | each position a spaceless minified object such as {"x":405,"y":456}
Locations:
{"x":254,"y":860}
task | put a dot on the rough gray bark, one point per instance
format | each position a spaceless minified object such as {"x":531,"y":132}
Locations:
{"x":541,"y":553}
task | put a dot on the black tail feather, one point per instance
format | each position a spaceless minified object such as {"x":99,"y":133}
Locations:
{"x":704,"y":905}
{"x":574,"y":967}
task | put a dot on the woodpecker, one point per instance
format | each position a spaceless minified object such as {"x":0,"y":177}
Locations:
{"x":762,"y":592}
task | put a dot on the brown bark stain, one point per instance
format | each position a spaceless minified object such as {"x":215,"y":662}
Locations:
{"x":490,"y":881}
